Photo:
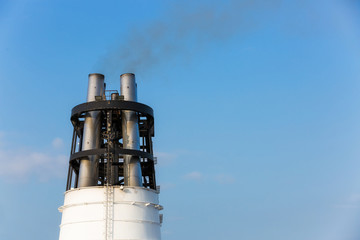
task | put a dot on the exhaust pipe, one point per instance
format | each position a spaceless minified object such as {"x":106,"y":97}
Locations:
{"x":130,"y":132}
{"x":88,"y":173}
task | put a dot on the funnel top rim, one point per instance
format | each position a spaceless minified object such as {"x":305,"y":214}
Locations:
{"x":96,"y":74}
{"x":125,"y":74}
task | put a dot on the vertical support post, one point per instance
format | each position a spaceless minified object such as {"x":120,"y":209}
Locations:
{"x":130,"y":132}
{"x":115,"y":155}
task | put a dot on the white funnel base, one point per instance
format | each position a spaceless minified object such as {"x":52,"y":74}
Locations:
{"x":110,"y":213}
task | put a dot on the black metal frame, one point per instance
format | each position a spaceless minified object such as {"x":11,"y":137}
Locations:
{"x":111,"y":154}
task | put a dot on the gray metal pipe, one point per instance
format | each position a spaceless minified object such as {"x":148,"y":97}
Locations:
{"x":130,"y":132}
{"x":88,"y":174}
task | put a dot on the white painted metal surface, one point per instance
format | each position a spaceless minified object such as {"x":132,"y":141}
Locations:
{"x":110,"y":213}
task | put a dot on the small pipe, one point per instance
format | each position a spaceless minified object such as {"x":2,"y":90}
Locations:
{"x":130,"y":132}
{"x":88,"y":174}
{"x":114,"y":96}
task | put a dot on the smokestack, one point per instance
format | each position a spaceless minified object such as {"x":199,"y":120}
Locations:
{"x":130,"y":127}
{"x":91,"y":133}
{"x":111,"y":190}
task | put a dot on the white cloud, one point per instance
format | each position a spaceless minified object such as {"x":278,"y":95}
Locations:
{"x":167,"y":186}
{"x":57,"y":143}
{"x":219,"y":178}
{"x":224,"y":179}
{"x":2,"y":135}
{"x":21,"y":163}
{"x":353,"y":201}
{"x":196,"y":176}
{"x":164,"y":158}
{"x":346,"y":206}
{"x":354,"y":198}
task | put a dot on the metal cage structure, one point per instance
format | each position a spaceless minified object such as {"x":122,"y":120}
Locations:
{"x":110,"y":155}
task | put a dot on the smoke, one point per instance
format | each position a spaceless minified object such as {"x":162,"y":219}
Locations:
{"x":183,"y":31}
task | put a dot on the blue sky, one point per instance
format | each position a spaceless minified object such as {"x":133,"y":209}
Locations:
{"x":256,"y":110}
